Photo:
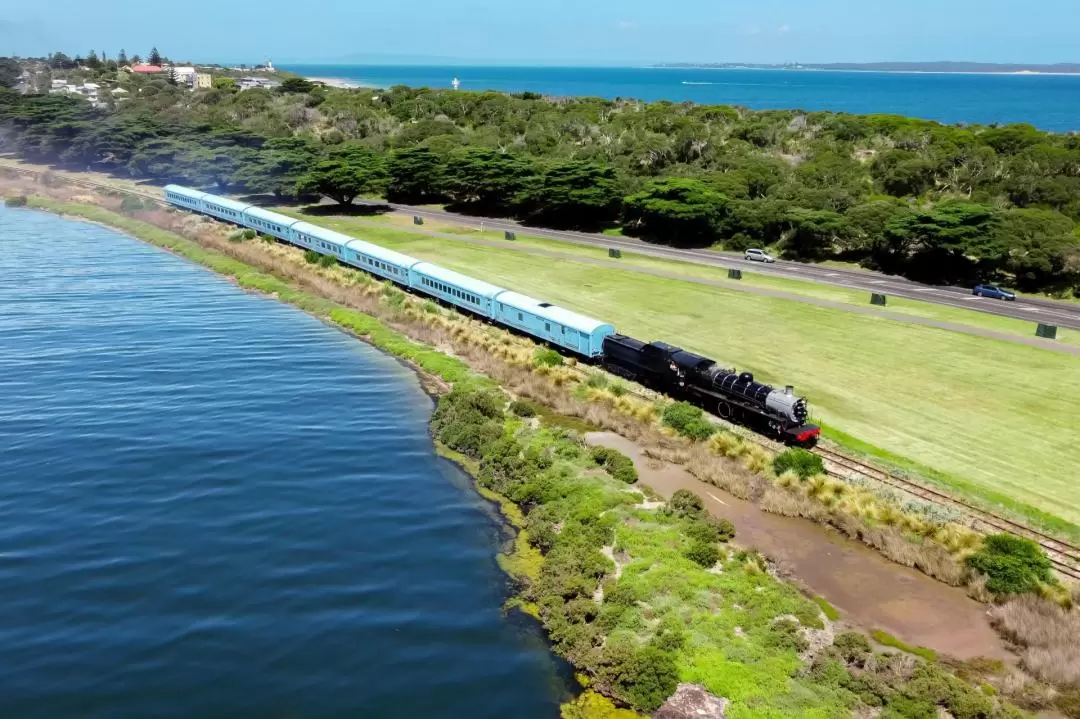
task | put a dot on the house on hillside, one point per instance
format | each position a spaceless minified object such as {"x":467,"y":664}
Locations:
{"x":144,"y":69}
{"x":204,"y":80}
{"x":184,"y":74}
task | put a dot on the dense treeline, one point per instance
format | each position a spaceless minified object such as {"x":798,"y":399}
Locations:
{"x":934,"y":202}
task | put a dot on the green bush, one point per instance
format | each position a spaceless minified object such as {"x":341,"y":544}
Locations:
{"x":1012,"y":565}
{"x":685,"y":503}
{"x":237,"y":236}
{"x":617,"y":464}
{"x":545,"y":357}
{"x":688,"y":420}
{"x":523,"y":408}
{"x":249,"y":234}
{"x":803,"y":463}
{"x":597,"y":380}
{"x":710,"y":529}
{"x":644,"y":677}
{"x":617,"y":388}
{"x":17,"y":201}
{"x":130,"y":203}
{"x":312,"y":257}
{"x":784,"y":634}
{"x":853,"y":647}
{"x":702,"y":553}
{"x":328,"y":261}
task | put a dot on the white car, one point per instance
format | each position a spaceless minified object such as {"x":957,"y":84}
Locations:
{"x":758,"y":256}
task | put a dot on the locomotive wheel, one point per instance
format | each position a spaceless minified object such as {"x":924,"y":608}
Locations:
{"x":723,"y":410}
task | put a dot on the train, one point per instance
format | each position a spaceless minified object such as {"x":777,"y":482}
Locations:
{"x":729,"y":394}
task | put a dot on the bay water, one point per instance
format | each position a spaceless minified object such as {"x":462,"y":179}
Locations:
{"x":1050,"y":102}
{"x":213,"y":505}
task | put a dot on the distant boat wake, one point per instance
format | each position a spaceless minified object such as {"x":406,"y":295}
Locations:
{"x":732,"y":84}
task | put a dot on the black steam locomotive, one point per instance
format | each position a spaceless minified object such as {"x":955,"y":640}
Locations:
{"x":731,"y":395}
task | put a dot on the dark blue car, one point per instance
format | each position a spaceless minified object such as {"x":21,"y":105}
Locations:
{"x":993,"y":291}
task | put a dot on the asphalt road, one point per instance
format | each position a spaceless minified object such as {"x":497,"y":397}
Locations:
{"x":1061,"y":314}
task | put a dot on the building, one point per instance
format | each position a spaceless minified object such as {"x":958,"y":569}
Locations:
{"x":247,"y":83}
{"x":184,"y":74}
{"x":119,"y":93}
{"x":146,"y":69}
{"x":204,"y":80}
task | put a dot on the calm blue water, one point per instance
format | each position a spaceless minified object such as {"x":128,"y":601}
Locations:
{"x":1047,"y":101}
{"x":214,"y":506}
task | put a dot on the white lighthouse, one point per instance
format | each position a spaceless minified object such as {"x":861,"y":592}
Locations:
{"x":456,"y":83}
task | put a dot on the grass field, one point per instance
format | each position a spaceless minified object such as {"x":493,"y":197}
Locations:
{"x":992,"y":413}
{"x":803,"y":288}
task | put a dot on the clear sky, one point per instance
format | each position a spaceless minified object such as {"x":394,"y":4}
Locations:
{"x":551,"y":31}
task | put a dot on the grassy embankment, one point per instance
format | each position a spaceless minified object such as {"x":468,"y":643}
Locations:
{"x":740,"y":668}
{"x":854,"y":298}
{"x":983,"y":416}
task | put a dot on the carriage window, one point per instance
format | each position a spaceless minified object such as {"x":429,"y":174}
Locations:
{"x":547,"y":327}
{"x":520,"y":317}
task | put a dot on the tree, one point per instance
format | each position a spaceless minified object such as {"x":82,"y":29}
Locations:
{"x":1039,"y":249}
{"x":815,"y":234}
{"x":940,"y":244}
{"x":278,"y":166}
{"x":573,"y":194}
{"x":122,"y":58}
{"x":416,"y":174}
{"x":92,"y":61}
{"x":9,"y":72}
{"x":484,"y":180}
{"x":678,"y":211}
{"x":136,"y":60}
{"x":154,"y":58}
{"x":902,"y":173}
{"x":296,"y":85}
{"x":349,"y":171}
{"x":171,"y":76}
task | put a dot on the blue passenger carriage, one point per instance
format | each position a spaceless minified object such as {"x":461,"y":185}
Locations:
{"x":269,"y":223}
{"x":320,"y":239}
{"x":561,"y":327}
{"x":380,"y":261}
{"x":454,"y":287}
{"x":224,"y":208}
{"x":184,"y":197}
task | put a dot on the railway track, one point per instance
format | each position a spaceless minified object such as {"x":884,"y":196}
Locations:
{"x":1063,"y":555}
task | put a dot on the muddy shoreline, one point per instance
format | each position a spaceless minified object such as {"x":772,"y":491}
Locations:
{"x":870,"y":591}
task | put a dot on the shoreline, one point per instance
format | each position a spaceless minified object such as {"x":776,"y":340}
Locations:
{"x":340,"y":83}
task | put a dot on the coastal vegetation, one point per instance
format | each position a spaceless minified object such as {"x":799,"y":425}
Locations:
{"x":933,"y":202}
{"x":636,"y":600}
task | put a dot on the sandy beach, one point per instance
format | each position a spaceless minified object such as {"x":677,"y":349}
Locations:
{"x":338,"y":82}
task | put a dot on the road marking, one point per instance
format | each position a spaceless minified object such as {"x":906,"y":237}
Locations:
{"x":713,"y":496}
{"x":879,"y":282}
{"x":832,"y":274}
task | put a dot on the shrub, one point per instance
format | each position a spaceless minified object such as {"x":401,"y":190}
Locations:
{"x":803,"y":463}
{"x":545,"y":357}
{"x":1012,"y":565}
{"x":643,"y":677}
{"x":130,"y":203}
{"x":853,"y":647}
{"x":685,"y":503}
{"x":327,"y":261}
{"x":710,"y":529}
{"x":617,"y":388}
{"x":785,"y":634}
{"x":707,"y":555}
{"x":17,"y":201}
{"x":312,"y":257}
{"x":688,"y":420}
{"x":617,"y":464}
{"x":237,"y":236}
{"x":523,"y":408}
{"x":1068,"y":704}
{"x":597,"y":380}
{"x":249,"y":234}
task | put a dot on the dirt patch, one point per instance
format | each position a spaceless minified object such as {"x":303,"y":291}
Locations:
{"x":868,"y":589}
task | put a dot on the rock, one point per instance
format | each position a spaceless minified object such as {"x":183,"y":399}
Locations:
{"x":691,"y":701}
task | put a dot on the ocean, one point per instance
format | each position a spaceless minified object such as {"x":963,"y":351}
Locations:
{"x":1050,"y":102}
{"x":213,"y":505}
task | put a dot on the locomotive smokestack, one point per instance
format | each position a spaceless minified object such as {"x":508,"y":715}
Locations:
{"x":788,"y":390}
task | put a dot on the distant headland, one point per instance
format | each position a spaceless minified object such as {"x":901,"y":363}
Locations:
{"x":1064,"y":68}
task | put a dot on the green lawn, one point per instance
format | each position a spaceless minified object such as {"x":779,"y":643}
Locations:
{"x":993,"y":413}
{"x":813,"y":290}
